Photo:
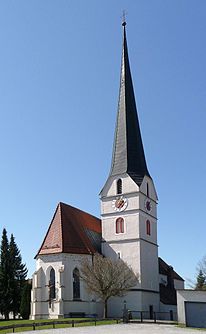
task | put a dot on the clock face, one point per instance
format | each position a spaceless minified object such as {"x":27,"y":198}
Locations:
{"x":148,"y":205}
{"x":120,"y":203}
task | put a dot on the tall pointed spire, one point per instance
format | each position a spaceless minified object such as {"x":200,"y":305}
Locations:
{"x":128,"y":152}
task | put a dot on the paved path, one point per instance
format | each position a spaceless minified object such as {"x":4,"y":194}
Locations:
{"x":121,"y":329}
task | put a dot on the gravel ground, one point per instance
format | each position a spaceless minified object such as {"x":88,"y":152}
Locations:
{"x":121,"y":329}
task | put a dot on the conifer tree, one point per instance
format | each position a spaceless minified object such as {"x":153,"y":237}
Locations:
{"x":12,"y":276}
{"x":5,"y":276}
{"x":201,"y":281}
{"x":25,"y":301}
{"x":18,"y":272}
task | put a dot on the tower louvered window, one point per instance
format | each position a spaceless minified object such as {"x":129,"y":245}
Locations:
{"x":147,"y":189}
{"x":76,"y":284}
{"x":120,"y":225}
{"x":119,"y":186}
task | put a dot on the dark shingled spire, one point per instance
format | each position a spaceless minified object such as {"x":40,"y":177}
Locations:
{"x":128,"y":153}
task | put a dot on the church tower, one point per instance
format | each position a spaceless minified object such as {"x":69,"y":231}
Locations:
{"x":129,"y":201}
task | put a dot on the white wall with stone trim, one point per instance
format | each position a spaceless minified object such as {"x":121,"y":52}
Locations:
{"x":63,"y":304}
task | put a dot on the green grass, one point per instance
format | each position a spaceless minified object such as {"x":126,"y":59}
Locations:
{"x":11,"y":322}
{"x":184,"y":326}
{"x":18,"y":322}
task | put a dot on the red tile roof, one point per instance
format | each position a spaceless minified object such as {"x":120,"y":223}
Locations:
{"x":72,"y":231}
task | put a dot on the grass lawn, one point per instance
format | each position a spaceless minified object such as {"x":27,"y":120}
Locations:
{"x":30,"y":328}
{"x":184,"y":326}
{"x":11,"y":322}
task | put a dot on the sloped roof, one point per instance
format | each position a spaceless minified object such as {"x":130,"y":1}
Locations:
{"x":166,"y":269}
{"x":128,"y":152}
{"x":72,"y":231}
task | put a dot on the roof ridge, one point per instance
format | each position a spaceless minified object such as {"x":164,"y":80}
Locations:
{"x":177,"y":276}
{"x":73,"y":207}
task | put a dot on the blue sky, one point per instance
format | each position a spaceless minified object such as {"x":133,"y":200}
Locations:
{"x":59,"y":83}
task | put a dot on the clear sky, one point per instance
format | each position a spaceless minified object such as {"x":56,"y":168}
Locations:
{"x":59,"y":83}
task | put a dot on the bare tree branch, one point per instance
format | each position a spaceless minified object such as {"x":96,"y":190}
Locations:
{"x":106,"y":277}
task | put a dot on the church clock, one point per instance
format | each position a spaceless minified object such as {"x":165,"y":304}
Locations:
{"x":120,"y":203}
{"x":148,"y":205}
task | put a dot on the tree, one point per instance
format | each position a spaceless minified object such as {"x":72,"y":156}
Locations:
{"x":5,"y":291}
{"x":12,"y":276}
{"x":106,"y":277}
{"x":25,"y":301}
{"x":202,"y":266}
{"x":201,"y":281}
{"x":18,"y":272}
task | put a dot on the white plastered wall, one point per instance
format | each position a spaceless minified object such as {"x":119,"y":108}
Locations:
{"x":149,"y":266}
{"x":129,"y":253}
{"x":138,"y":249}
{"x":190,"y":296}
{"x":136,"y":301}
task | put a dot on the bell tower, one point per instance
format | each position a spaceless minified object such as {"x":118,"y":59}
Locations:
{"x":129,"y":201}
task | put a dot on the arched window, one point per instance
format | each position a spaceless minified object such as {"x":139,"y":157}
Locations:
{"x":119,"y":186}
{"x":52,"y":289}
{"x":148,"y":227}
{"x":76,"y":284}
{"x":120,"y":225}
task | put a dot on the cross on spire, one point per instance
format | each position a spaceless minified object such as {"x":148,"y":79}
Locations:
{"x":124,"y":18}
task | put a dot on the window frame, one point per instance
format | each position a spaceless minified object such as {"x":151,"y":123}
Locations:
{"x":119,"y":187}
{"x":120,"y":225}
{"x":76,"y":287}
{"x":52,"y":284}
{"x":147,"y":191}
{"x":148,"y":227}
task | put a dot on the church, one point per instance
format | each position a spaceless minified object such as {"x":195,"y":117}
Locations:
{"x":127,"y":230}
